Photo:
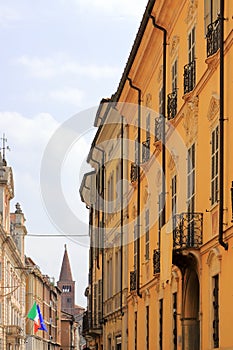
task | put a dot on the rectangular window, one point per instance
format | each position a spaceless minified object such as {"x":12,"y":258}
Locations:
{"x":212,"y":9}
{"x":161,"y":324}
{"x":135,"y":247}
{"x":216,"y":311}
{"x":0,"y":313}
{"x":161,"y":102}
{"x":99,"y":300}
{"x":191,"y":45}
{"x":135,"y":329}
{"x":147,"y":328}
{"x":148,"y":126}
{"x":160,"y":213}
{"x":174,"y":295}
{"x":174,"y":195}
{"x":214,"y":165}
{"x":174,"y":76}
{"x":147,"y":235}
{"x":95,"y":304}
{"x":136,"y":151}
{"x":191,"y":179}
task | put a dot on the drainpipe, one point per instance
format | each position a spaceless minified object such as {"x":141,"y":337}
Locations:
{"x":103,"y":225}
{"x":139,"y":184}
{"x":122,"y":208}
{"x":163,"y":116}
{"x":221,"y":129}
{"x":97,"y":185}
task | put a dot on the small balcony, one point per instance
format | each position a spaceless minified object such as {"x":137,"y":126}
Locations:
{"x":14,"y":331}
{"x":134,"y":172}
{"x":133,"y":278}
{"x":156,"y":261}
{"x":213,"y":38}
{"x":189,"y":76}
{"x":158,"y":128}
{"x":146,"y":150}
{"x":172,"y":105}
{"x":187,"y":231}
{"x":86,"y":322}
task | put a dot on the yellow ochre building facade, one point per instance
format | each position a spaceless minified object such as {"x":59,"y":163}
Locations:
{"x":160,"y":196}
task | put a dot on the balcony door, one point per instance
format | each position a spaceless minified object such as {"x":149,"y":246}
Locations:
{"x":191,"y":310}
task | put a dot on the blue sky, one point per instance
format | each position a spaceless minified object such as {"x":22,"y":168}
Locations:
{"x":58,"y":58}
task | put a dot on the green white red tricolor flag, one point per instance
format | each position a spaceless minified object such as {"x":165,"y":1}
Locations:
{"x":35,"y":315}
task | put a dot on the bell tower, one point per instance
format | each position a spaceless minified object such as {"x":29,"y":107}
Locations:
{"x":67,"y":285}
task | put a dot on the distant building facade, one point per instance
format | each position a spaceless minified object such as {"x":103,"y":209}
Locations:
{"x":42,"y":290}
{"x":12,"y":272}
{"x":71,"y":314}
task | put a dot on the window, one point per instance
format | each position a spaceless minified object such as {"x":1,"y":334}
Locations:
{"x":148,"y":126}
{"x":174,"y":75}
{"x":191,"y":45}
{"x":135,"y":247}
{"x":216,"y":311}
{"x":212,"y":9}
{"x":160,"y":324}
{"x":160,"y":212}
{"x":147,"y":236}
{"x":66,"y":289}
{"x":99,"y":300}
{"x":0,"y":270}
{"x":161,"y":102}
{"x":214,"y":165}
{"x":174,"y":295}
{"x":136,"y":151}
{"x":191,"y":179}
{"x":147,"y":328}
{"x":135,"y":329}
{"x":95,"y":304}
{"x":174,"y":199}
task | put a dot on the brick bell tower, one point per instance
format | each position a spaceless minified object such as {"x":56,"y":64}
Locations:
{"x":67,"y":285}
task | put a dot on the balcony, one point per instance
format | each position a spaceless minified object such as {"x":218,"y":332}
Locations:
{"x":189,"y":76}
{"x":133,"y":278}
{"x":156,"y":261}
{"x":158,"y":128}
{"x":146,"y":150}
{"x":14,"y":331}
{"x":134,"y":172}
{"x":187,"y":232}
{"x":172,"y":105}
{"x":213,"y":38}
{"x":86,"y":322}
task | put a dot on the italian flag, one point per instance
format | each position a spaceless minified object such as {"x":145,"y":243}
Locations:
{"x":35,"y":315}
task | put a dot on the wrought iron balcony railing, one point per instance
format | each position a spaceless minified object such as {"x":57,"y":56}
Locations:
{"x":189,"y":76}
{"x":146,"y":150}
{"x":158,"y":128}
{"x":187,"y":231}
{"x":172,"y":105}
{"x":213,"y":37}
{"x":134,"y":172}
{"x":133,"y":277}
{"x":156,"y":261}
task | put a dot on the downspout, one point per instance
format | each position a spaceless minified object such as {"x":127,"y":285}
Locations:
{"x":163,"y":118}
{"x":139,"y":184}
{"x":122,"y":209}
{"x":103,"y":226}
{"x":95,"y":161}
{"x":221,"y":129}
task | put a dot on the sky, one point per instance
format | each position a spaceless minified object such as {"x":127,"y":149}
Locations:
{"x":58,"y":59}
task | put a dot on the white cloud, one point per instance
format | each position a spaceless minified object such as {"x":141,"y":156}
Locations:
{"x":8,"y":16}
{"x":50,"y":67}
{"x":68,"y":95}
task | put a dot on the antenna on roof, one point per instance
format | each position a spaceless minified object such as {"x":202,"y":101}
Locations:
{"x":4,"y":148}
